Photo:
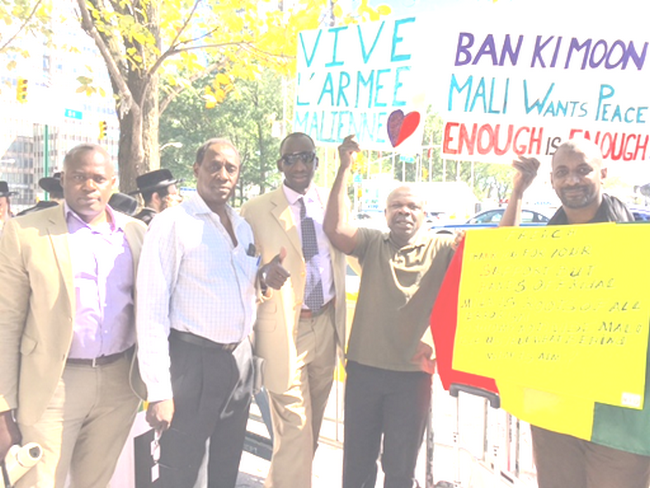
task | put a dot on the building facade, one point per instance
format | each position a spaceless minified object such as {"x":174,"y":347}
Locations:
{"x":36,"y":133}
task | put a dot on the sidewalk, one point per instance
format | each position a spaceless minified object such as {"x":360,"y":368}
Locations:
{"x":327,"y":469}
{"x":328,"y":462}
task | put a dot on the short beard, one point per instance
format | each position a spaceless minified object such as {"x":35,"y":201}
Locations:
{"x":572,"y":203}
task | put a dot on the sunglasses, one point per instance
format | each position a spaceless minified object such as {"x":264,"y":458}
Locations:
{"x":307,"y":158}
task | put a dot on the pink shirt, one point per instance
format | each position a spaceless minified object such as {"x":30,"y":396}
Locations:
{"x":102,"y":267}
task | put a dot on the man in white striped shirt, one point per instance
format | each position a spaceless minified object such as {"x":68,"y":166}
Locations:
{"x":196,"y":306}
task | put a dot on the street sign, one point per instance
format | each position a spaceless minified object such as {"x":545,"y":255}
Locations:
{"x":73,"y":114}
{"x":187,"y":191}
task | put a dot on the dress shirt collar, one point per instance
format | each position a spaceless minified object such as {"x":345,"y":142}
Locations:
{"x":293,"y":196}
{"x":197,"y":206}
{"x":115,"y":222}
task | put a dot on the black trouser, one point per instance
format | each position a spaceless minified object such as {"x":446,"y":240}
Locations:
{"x":379,"y":402}
{"x":212,"y":394}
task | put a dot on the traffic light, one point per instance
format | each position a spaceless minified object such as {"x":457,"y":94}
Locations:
{"x":21,"y":90}
{"x":103,"y":126}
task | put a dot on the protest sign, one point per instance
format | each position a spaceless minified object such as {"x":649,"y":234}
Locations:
{"x":360,"y":79}
{"x":557,"y":309}
{"x":503,"y":86}
{"x":520,"y":91}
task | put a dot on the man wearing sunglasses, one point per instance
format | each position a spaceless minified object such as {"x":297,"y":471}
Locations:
{"x":300,"y":322}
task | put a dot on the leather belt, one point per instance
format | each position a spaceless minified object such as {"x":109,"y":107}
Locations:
{"x":310,"y":314}
{"x":101,"y":360}
{"x":202,"y":341}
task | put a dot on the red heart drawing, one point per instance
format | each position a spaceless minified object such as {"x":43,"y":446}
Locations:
{"x":401,"y":126}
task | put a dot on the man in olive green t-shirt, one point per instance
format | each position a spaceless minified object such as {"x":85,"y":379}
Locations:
{"x":390,"y":356}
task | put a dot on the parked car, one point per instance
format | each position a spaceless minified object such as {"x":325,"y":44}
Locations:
{"x":641,"y":214}
{"x":491,"y":218}
{"x":494,"y":216}
{"x":435,"y":217}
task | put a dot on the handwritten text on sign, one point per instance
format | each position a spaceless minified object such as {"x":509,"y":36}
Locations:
{"x":513,"y":93}
{"x":359,"y":79}
{"x":558,"y":309}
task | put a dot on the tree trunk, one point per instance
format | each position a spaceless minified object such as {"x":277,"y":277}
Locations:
{"x":150,"y":104}
{"x":151,"y":116}
{"x":130,"y":155}
{"x":262,"y":151}
{"x":138,"y":150}
{"x":127,"y":166}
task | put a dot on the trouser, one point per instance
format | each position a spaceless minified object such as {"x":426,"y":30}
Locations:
{"x":565,"y":461}
{"x":84,"y":427}
{"x":297,"y":413}
{"x":212,"y":393}
{"x":392,"y":404}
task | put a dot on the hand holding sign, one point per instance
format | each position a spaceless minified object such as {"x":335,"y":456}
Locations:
{"x":348,"y":148}
{"x":526,"y":173}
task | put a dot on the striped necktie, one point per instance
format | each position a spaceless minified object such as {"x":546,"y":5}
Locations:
{"x":313,"y":283}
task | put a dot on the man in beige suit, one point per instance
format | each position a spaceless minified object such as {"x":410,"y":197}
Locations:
{"x":67,"y":328}
{"x":300,"y":326}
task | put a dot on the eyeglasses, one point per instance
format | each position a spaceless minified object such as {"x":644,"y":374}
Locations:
{"x":307,"y":158}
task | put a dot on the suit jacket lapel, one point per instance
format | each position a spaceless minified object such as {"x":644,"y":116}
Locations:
{"x":283,"y":215}
{"x":57,"y":230}
{"x":135,"y":244}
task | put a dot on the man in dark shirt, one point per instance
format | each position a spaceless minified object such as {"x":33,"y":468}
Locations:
{"x":52,"y":185}
{"x":563,"y":460}
{"x":159,"y":191}
{"x":390,"y":357}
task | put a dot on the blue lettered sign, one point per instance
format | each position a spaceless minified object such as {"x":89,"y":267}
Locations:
{"x":360,"y":79}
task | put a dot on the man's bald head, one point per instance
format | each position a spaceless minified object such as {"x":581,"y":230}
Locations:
{"x":76,"y":152}
{"x":404,"y":213}
{"x":579,"y":146}
{"x":404,"y":190}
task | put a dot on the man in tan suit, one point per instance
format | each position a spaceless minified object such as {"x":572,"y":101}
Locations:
{"x":67,"y":328}
{"x":300,"y":326}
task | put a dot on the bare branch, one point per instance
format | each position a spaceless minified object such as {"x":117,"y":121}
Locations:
{"x":207,"y":34}
{"x":185,"y":24}
{"x":111,"y":40}
{"x":22,"y":27}
{"x":172,"y":52}
{"x":180,"y":88}
{"x":212,"y":46}
{"x":173,"y":47}
{"x":252,"y":47}
{"x":121,"y":7}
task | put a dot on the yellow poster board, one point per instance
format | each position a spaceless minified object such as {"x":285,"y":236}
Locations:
{"x":560,"y":309}
{"x":551,"y":411}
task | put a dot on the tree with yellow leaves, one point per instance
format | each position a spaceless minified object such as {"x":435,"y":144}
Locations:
{"x":20,"y":18}
{"x":144,"y":42}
